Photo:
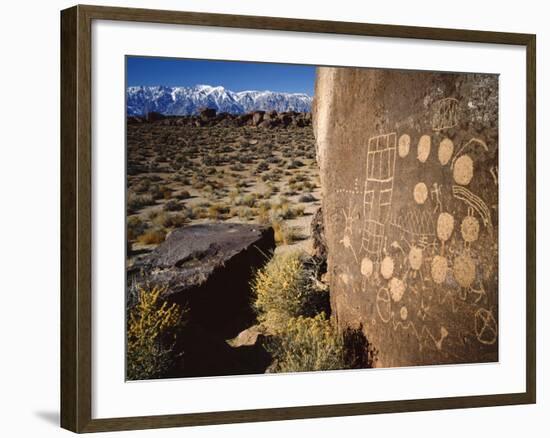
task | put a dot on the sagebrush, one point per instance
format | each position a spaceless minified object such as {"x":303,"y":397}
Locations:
{"x":283,"y":290}
{"x":152,"y":325}
{"x":308,"y":344}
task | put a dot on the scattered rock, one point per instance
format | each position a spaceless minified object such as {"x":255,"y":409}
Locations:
{"x":207,"y":113}
{"x":154,"y":116}
{"x":257,"y":117}
{"x":208,"y":117}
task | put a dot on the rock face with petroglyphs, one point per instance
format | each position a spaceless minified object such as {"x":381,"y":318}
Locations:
{"x":409,"y":173}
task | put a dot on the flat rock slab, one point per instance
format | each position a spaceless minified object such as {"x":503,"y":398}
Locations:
{"x":191,"y":254}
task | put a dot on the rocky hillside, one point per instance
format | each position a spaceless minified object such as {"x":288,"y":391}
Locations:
{"x":209,"y":117}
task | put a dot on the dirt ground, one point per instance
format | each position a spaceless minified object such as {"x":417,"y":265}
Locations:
{"x":183,"y":175}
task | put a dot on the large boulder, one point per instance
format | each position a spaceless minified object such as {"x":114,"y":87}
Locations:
{"x":208,"y":268}
{"x":207,"y":113}
{"x":153,"y":116}
{"x":257,"y":117}
{"x":409,"y":177}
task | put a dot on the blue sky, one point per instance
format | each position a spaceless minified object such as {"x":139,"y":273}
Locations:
{"x":235,"y":76}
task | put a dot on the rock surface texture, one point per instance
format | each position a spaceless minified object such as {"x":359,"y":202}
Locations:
{"x":409,"y":173}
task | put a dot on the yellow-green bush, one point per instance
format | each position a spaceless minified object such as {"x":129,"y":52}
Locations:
{"x":308,"y":344}
{"x":151,"y":331}
{"x":282,"y":290}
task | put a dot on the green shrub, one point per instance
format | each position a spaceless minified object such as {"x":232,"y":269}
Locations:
{"x":172,"y":205}
{"x":308,"y":344}
{"x":282,"y":290}
{"x":136,"y":202}
{"x":134,"y":227}
{"x":151,"y":331}
{"x":217,"y":211}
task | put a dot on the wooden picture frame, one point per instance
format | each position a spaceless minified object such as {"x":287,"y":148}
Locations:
{"x":76,"y":217}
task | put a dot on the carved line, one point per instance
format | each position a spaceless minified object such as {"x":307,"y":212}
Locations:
{"x":476,"y":203}
{"x":469,"y":143}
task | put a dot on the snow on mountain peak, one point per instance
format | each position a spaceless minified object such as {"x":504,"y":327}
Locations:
{"x":189,"y":100}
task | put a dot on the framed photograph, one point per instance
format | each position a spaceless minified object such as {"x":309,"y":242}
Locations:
{"x":268,"y":219}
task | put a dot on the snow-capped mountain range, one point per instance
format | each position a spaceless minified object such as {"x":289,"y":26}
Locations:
{"x":189,"y":100}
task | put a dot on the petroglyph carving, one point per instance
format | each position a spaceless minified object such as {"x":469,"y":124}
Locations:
{"x":486,"y":327}
{"x":348,"y":230}
{"x":470,"y":143}
{"x":424,"y":146}
{"x":436,"y":196}
{"x":469,"y":229}
{"x":445,"y":152}
{"x":416,"y":225}
{"x":439,"y":269}
{"x":397,"y":289}
{"x":424,"y":237}
{"x":404,"y":145}
{"x":377,"y":197}
{"x":463,"y":170}
{"x":366,"y":267}
{"x":420,"y":193}
{"x":445,"y":114}
{"x":386,"y":268}
{"x":424,"y":335}
{"x":464,"y":270}
{"x":445,"y":226}
{"x":476,"y":203}
{"x":383,"y":304}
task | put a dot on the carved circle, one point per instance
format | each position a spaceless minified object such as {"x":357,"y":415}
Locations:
{"x":445,"y":152}
{"x":445,"y":226}
{"x":386,"y":268}
{"x":464,"y":270}
{"x":366,"y":267}
{"x":397,"y":289}
{"x":463,"y":170}
{"x":404,"y":145}
{"x":383,"y":304}
{"x":403,"y":313}
{"x":420,"y":193}
{"x":415,"y":258}
{"x":486,"y":327}
{"x":424,"y":146}
{"x":470,"y":229}
{"x":439,"y":269}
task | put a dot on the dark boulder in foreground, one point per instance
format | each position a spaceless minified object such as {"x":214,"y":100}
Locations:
{"x":208,"y":269}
